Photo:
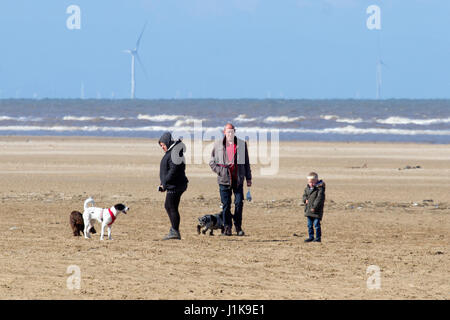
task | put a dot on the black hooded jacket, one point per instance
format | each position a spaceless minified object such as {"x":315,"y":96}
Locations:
{"x":172,"y":167}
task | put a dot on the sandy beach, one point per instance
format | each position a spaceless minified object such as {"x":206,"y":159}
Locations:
{"x":378,"y":212}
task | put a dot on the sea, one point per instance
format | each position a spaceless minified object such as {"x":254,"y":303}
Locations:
{"x":419,"y":121}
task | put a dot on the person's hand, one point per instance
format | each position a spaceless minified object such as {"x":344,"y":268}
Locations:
{"x":312,"y":209}
{"x":306,"y":201}
{"x":249,"y":183}
{"x":161,"y":188}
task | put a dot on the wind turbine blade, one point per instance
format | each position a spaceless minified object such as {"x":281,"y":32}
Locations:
{"x":139,"y":39}
{"x":142,"y":65}
{"x":381,"y":62}
{"x":127,"y":51}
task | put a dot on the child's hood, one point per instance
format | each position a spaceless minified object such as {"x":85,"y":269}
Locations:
{"x":320,"y":184}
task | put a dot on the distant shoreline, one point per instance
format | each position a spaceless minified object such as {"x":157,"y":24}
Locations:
{"x":8,"y":138}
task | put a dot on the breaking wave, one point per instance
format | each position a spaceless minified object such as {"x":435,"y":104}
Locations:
{"x":348,"y":130}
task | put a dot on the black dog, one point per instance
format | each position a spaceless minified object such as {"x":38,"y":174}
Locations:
{"x":211,"y":222}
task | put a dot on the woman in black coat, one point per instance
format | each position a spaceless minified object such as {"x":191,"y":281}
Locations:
{"x":173,"y":180}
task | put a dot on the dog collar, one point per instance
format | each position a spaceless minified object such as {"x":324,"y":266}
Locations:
{"x":113,"y":217}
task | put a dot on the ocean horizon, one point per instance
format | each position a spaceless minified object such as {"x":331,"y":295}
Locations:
{"x":394,"y":120}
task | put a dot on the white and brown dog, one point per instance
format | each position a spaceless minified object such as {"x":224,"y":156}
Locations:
{"x":104,"y":216}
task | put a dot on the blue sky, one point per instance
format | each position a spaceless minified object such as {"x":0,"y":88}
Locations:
{"x":317,"y":49}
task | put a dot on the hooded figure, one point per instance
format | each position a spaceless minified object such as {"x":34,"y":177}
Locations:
{"x":172,"y":166}
{"x":166,"y":138}
{"x":316,"y":200}
{"x":173,"y":180}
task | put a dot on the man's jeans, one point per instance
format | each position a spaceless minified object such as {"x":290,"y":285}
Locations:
{"x":314,"y":223}
{"x":225,"y":196}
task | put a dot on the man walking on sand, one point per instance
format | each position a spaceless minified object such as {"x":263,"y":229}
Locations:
{"x":229,"y":159}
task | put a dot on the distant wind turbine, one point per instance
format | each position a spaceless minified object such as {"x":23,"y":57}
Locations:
{"x":135,"y":55}
{"x":380,"y":65}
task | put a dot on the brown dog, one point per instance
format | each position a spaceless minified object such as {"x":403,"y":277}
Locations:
{"x":77,"y":223}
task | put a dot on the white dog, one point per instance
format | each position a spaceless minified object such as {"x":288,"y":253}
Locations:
{"x":105,"y":216}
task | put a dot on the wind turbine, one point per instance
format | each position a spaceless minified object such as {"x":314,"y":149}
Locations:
{"x":135,"y":55}
{"x":380,"y":65}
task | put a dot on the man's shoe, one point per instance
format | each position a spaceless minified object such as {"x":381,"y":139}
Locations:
{"x":317,"y":240}
{"x":309,"y":240}
{"x":227,"y":231}
{"x":173,"y":234}
{"x":241,"y":233}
